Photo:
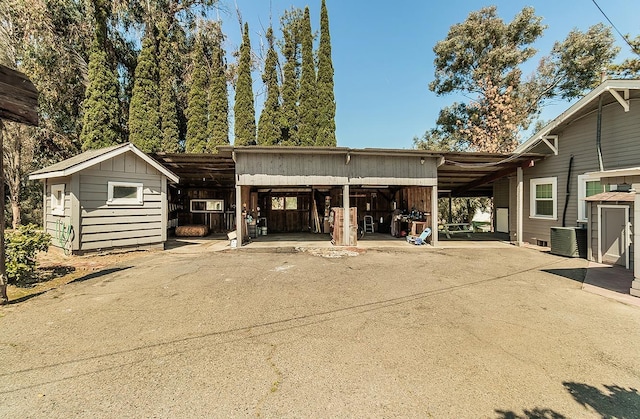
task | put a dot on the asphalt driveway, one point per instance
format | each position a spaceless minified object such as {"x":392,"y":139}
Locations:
{"x":448,"y":333}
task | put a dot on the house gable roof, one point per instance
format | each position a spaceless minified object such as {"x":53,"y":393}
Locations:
{"x":621,"y":91}
{"x":91,"y":157}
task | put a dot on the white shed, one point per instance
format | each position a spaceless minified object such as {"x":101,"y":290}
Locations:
{"x":106,"y":198}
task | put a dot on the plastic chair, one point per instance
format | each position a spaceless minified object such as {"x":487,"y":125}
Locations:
{"x":421,"y":239}
{"x":368,"y":224}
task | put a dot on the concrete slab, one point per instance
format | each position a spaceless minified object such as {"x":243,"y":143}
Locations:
{"x":611,"y":282}
{"x":359,"y":334}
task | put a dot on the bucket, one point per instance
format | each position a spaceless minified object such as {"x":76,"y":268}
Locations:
{"x":263,"y":231}
{"x":234,"y":243}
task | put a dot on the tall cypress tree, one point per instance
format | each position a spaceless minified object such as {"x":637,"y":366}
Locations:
{"x":144,"y":110}
{"x":268,"y":126}
{"x":101,"y":107}
{"x":308,"y":127}
{"x":218,"y":126}
{"x":289,"y":118}
{"x":244,"y":111}
{"x":168,"y":82}
{"x":197,"y":112}
{"x":326,"y":135}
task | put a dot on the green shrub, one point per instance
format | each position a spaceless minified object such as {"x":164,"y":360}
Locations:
{"x":21,"y":246}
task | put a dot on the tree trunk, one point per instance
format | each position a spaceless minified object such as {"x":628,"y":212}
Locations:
{"x":13,"y":176}
{"x":15,"y":212}
{"x":3,"y":276}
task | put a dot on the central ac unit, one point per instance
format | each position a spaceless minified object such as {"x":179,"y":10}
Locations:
{"x":569,"y":241}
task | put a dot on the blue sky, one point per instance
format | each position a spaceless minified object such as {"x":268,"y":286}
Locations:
{"x":383,"y":54}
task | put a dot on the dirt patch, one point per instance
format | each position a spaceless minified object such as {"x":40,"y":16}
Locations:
{"x":331,"y":253}
{"x":55,"y":269}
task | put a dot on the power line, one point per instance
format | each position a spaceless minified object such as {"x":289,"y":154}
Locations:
{"x":614,"y":27}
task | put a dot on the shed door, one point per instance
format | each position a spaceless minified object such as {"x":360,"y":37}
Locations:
{"x":614,"y":243}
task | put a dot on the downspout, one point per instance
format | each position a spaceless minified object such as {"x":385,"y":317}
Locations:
{"x":567,"y":193}
{"x":599,"y":134}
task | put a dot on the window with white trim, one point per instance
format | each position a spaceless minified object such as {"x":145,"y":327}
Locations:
{"x":588,"y":186}
{"x":57,"y":199}
{"x":544,"y":198}
{"x":125,"y":193}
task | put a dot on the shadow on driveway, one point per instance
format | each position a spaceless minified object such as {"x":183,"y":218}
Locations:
{"x":575,"y":274}
{"x":616,"y":402}
{"x":98,"y":274}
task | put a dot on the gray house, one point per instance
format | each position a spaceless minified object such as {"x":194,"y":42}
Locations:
{"x":101,"y":199}
{"x":587,"y":180}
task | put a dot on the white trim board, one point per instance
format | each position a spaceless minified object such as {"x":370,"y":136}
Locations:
{"x":104,"y":157}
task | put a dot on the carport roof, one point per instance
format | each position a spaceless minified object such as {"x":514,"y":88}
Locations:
{"x":461,"y":174}
{"x":200,"y":169}
{"x":473,"y":174}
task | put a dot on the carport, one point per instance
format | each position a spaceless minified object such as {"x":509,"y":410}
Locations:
{"x":294,"y":188}
{"x":281,"y":188}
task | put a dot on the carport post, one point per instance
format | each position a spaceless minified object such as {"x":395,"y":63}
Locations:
{"x":239,"y":220}
{"x":434,"y":215}
{"x":345,"y":205}
{"x":520,"y":205}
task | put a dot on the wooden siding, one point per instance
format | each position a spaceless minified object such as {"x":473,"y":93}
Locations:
{"x":105,"y":226}
{"x":393,"y":170}
{"x":620,"y":149}
{"x":322,"y":169}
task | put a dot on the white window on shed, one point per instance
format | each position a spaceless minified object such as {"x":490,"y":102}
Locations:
{"x":57,"y":199}
{"x":544,"y":198}
{"x":125,"y":193}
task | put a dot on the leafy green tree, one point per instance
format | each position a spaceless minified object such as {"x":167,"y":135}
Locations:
{"x":101,"y":108}
{"x":289,"y":118}
{"x":244,"y":111}
{"x":573,"y":67}
{"x":308,"y":108}
{"x":197,"y":107}
{"x":218,"y":125}
{"x":482,"y":57}
{"x":30,"y":37}
{"x":144,"y":110}
{"x":268,"y":127}
{"x":630,"y":67}
{"x":326,"y":135}
{"x":461,"y":210}
{"x":482,"y":47}
{"x":436,"y":140}
{"x":168,"y":82}
{"x":175,"y":21}
{"x":479,"y":53}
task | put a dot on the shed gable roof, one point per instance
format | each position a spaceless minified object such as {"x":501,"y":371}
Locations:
{"x":91,"y":157}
